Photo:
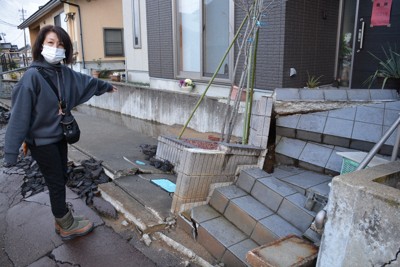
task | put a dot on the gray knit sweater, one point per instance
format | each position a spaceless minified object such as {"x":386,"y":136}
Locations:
{"x":34,"y":105}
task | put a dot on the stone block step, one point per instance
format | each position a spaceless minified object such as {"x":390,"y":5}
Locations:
{"x":271,"y":192}
{"x":244,"y":212}
{"x":292,"y":210}
{"x":308,"y":180}
{"x":221,"y":196}
{"x":248,"y":177}
{"x":271,"y":228}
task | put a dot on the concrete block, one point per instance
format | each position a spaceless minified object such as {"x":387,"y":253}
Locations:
{"x":184,"y":224}
{"x":282,"y":159}
{"x":335,"y":140}
{"x":271,"y":228}
{"x":248,"y":177}
{"x":383,"y":94}
{"x":270,"y":192}
{"x":287,"y":132}
{"x":293,"y":211}
{"x":288,"y":251}
{"x":285,"y":171}
{"x":236,"y":255}
{"x":244,"y":212}
{"x":287,"y":94}
{"x":358,"y":95}
{"x":390,"y":117}
{"x":335,"y":95}
{"x":221,"y":197}
{"x":311,"y":95}
{"x":218,"y":234}
{"x":309,"y":136}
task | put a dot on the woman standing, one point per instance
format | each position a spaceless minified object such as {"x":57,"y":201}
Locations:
{"x":36,"y":114}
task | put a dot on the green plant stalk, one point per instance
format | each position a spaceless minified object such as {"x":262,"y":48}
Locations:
{"x":250,"y":91}
{"x":213,"y":77}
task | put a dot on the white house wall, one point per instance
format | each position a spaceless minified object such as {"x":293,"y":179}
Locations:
{"x":137,"y":66}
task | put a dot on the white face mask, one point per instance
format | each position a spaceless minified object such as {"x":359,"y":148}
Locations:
{"x":53,"y":55}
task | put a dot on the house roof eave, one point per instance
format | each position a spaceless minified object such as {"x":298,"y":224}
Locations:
{"x":39,"y":14}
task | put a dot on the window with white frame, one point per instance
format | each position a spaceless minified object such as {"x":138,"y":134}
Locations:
{"x":203,"y":36}
{"x":113,"y":43}
{"x":137,"y":40}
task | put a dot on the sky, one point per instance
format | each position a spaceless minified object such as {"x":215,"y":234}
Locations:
{"x":11,"y":17}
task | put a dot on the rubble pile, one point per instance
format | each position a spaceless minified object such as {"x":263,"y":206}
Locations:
{"x":83,"y":179}
{"x":150,"y":152}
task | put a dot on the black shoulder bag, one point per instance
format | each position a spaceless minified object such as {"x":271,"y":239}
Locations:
{"x":69,"y":125}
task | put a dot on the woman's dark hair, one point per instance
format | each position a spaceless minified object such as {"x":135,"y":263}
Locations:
{"x":62,"y":37}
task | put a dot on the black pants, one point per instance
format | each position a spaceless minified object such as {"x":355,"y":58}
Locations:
{"x":52,"y":160}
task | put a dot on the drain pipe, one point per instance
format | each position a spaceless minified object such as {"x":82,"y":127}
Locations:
{"x":80,"y":29}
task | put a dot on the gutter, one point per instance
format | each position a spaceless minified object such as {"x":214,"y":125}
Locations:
{"x":80,"y":29}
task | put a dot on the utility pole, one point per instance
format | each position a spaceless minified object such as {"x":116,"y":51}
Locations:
{"x":23,"y":12}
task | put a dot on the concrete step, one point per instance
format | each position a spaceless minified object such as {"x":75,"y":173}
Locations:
{"x":220,"y":237}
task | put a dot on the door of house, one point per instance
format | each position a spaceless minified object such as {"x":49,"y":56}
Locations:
{"x":370,"y":39}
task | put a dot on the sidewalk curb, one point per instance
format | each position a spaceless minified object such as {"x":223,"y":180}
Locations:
{"x":142,"y":226}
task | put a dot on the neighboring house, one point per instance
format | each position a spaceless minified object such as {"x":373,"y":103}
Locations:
{"x":95,"y":27}
{"x":135,"y":41}
{"x":186,"y":39}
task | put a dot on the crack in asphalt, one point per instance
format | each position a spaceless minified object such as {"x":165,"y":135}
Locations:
{"x":392,"y":260}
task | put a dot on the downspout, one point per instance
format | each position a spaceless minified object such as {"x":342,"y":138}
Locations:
{"x":80,"y":29}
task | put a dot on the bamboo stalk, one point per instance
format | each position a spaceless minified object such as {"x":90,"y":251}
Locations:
{"x":213,"y":77}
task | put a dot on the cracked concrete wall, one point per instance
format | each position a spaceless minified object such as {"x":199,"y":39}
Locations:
{"x":363,"y":219}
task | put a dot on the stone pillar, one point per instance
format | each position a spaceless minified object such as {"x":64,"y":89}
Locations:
{"x":363,"y":219}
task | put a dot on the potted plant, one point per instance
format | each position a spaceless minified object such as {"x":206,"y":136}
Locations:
{"x":186,"y":84}
{"x":96,"y":72}
{"x":388,"y":72}
{"x":115,"y":76}
{"x":313,"y":81}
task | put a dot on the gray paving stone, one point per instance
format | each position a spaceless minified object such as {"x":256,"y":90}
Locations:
{"x":335,"y":161}
{"x":315,"y":154}
{"x":218,"y":234}
{"x":338,"y":127}
{"x":236,"y":255}
{"x":287,"y":132}
{"x":390,"y":117}
{"x":244,"y":212}
{"x":271,"y":191}
{"x":222,"y":195}
{"x":272,"y":228}
{"x":248,"y":177}
{"x":336,"y":140}
{"x":312,"y":123}
{"x":311,"y":95}
{"x":343,"y":113}
{"x":393,"y":105}
{"x":335,"y":95}
{"x":392,"y":138}
{"x":293,"y":211}
{"x":382,"y":94}
{"x":367,"y":132}
{"x":369,"y":115}
{"x":290,"y":147}
{"x":288,"y":121}
{"x":287,"y":94}
{"x":203,"y":213}
{"x":285,"y":171}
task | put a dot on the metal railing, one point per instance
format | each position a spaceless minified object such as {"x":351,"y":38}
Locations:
{"x":378,"y":145}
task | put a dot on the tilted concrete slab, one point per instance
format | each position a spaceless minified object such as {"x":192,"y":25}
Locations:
{"x":271,"y":191}
{"x":236,"y":255}
{"x":244,"y":212}
{"x":248,"y":177}
{"x":221,"y":197}
{"x":272,"y":228}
